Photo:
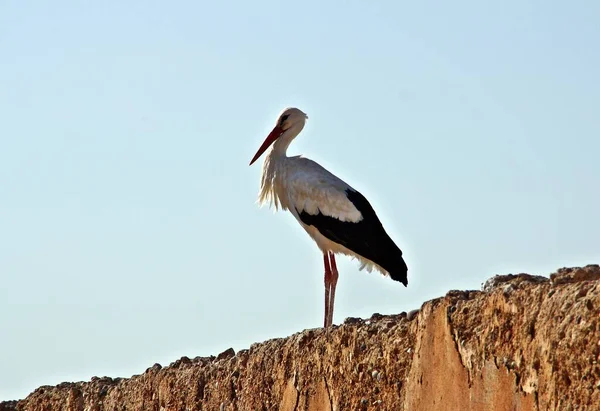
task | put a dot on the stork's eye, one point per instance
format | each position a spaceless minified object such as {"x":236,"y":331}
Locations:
{"x":283,"y":118}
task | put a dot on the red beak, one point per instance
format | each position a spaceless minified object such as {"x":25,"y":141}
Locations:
{"x":273,"y":135}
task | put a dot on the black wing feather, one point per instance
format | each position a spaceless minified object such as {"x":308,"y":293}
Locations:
{"x":366,"y":238}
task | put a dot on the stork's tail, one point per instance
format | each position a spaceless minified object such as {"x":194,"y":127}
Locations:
{"x":395,"y":265}
{"x":399,"y":271}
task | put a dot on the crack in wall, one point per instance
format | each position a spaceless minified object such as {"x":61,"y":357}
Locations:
{"x":328,"y":393}
{"x":465,"y":354}
{"x":297,"y":400}
{"x":450,"y":309}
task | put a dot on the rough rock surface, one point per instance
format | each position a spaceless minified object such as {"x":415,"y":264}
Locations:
{"x":523,"y":343}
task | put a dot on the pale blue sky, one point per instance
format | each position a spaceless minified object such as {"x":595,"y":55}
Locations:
{"x":129,"y":232}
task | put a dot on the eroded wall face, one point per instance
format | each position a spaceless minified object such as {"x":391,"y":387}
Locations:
{"x":524,"y":343}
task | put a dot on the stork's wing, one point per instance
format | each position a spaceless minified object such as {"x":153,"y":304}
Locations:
{"x":314,"y":190}
{"x":344,"y":216}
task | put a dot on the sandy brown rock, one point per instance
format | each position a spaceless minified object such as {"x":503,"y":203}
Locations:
{"x":576,"y":274}
{"x":8,"y":405}
{"x":524,"y":343}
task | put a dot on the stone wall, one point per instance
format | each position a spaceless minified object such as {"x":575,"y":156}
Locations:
{"x":522,"y":343}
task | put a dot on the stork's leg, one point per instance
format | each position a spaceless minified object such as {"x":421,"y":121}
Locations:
{"x":332,"y":284}
{"x":328,"y":276}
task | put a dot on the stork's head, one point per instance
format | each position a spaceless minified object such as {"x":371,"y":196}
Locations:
{"x":290,"y":122}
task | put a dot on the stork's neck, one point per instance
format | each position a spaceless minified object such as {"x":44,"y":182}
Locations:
{"x":280,"y":146}
{"x":274,"y":170}
{"x":272,"y":185}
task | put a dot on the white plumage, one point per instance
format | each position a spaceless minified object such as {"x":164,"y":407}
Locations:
{"x":298,"y":184}
{"x":325,"y":206}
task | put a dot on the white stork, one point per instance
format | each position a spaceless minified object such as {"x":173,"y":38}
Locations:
{"x":337,"y":217}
